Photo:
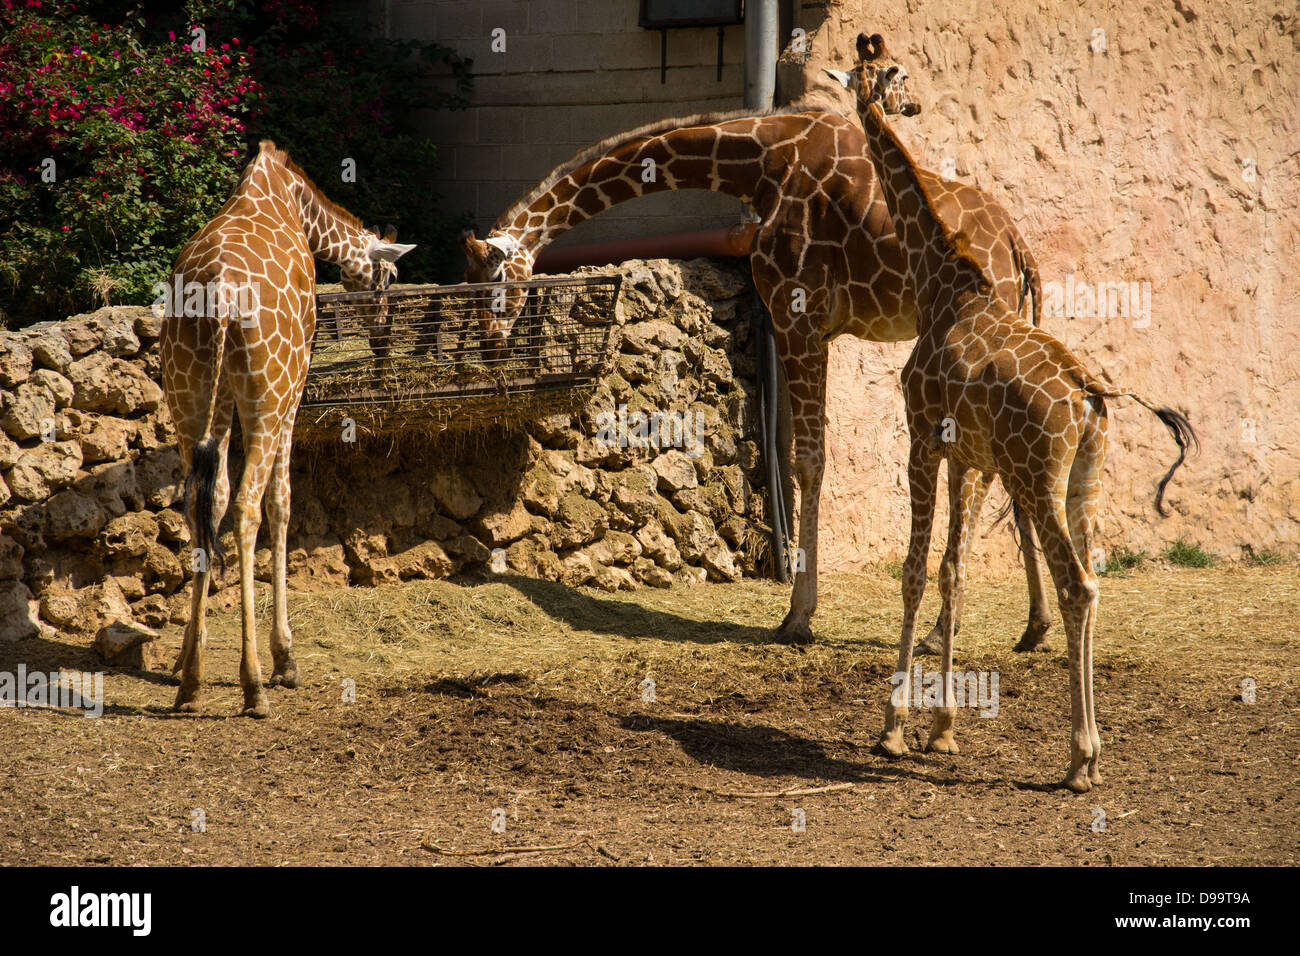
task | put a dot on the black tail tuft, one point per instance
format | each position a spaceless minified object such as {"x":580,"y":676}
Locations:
{"x":1181,"y":429}
{"x":200,"y":490}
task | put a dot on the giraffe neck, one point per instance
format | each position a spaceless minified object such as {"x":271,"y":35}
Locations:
{"x":333,"y":234}
{"x":927,"y":245}
{"x":741,"y":157}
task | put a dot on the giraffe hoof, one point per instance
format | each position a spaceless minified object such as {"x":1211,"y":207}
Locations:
{"x":1095,"y":777}
{"x":1078,"y":780}
{"x":185,"y":706}
{"x":892,"y":744}
{"x":284,"y":678}
{"x":932,"y":646}
{"x":258,"y":707}
{"x":1034,"y":637}
{"x":943,"y":744}
{"x":793,"y":632}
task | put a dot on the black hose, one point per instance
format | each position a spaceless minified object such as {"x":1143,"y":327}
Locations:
{"x":769,"y":405}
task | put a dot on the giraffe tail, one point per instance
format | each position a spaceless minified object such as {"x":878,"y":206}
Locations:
{"x":1031,"y":283}
{"x":1176,"y":422}
{"x":201,"y":482}
{"x":200,"y":490}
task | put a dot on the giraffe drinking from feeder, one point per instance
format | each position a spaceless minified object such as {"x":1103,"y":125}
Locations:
{"x":825,"y":259}
{"x":997,"y":397}
{"x":249,"y":348}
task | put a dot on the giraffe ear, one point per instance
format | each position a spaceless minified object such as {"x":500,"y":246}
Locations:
{"x":476,"y":250}
{"x":503,"y":244}
{"x":845,"y":79}
{"x":387,"y":251}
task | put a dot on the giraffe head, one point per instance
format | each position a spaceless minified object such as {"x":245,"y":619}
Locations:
{"x":498,"y":258}
{"x":371,"y":266}
{"x":878,"y":78}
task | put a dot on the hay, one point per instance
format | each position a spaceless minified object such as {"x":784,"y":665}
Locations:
{"x":417,"y":358}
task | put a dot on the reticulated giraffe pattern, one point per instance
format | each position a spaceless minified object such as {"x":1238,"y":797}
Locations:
{"x":247,"y":348}
{"x":997,"y":397}
{"x":825,"y":259}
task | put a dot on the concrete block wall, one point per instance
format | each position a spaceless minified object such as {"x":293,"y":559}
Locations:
{"x":573,"y":72}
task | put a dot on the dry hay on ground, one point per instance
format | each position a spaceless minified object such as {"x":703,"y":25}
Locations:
{"x":525,"y":696}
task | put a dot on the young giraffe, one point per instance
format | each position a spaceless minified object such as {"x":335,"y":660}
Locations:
{"x":824,"y":231}
{"x":257,"y":255}
{"x":996,"y":396}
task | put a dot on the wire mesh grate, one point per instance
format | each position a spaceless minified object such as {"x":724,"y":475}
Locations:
{"x":422,"y":356}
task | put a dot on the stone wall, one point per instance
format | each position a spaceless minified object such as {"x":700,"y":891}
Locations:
{"x":91,"y":528}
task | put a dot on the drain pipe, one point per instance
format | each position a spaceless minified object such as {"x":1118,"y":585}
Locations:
{"x":762,"y":21}
{"x":729,"y":241}
{"x":762,"y":24}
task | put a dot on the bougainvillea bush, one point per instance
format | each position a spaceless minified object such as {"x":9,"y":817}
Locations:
{"x":124,"y":127}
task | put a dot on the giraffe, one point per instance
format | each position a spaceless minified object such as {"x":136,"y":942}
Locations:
{"x":879,"y":71}
{"x":824,"y":242}
{"x":246,"y":345}
{"x":996,"y":396}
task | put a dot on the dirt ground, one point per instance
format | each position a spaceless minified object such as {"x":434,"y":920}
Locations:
{"x":520,"y":701}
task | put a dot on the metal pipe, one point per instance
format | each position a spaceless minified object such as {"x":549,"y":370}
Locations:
{"x":735,"y":241}
{"x":762,"y":22}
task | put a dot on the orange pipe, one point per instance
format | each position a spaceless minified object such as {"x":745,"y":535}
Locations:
{"x":735,"y":240}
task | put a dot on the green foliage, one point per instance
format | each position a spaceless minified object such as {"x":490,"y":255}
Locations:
{"x":330,"y":92}
{"x":1187,"y":554}
{"x":114,"y":153}
{"x":1123,"y":560}
{"x":1264,"y":558}
{"x":148,"y":136}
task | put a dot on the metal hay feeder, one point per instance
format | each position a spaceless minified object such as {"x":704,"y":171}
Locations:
{"x":413,"y":357}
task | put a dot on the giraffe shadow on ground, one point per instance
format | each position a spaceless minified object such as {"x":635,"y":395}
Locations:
{"x":764,"y":751}
{"x":625,"y":618}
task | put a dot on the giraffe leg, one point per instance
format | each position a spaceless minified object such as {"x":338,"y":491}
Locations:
{"x":807,"y":400}
{"x":1040,"y":616}
{"x":261,"y":439}
{"x":189,"y":663}
{"x":1076,"y":592}
{"x":1081,"y":510}
{"x":285,"y":669}
{"x":933,"y":643}
{"x":922,"y":475}
{"x":966,"y":490}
